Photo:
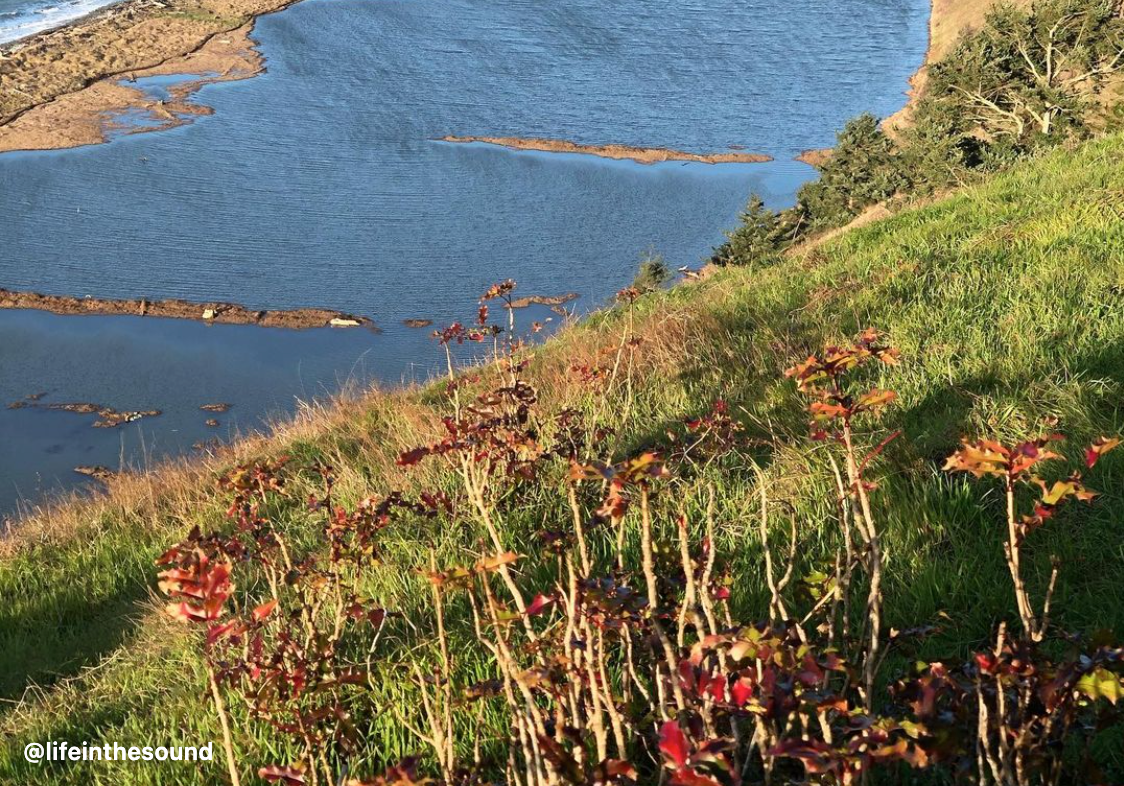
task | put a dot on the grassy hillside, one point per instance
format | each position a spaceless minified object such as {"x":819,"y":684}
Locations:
{"x":1006,"y":301}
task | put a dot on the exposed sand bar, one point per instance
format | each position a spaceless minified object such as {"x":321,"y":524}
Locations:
{"x":226,"y":313}
{"x":544,"y":300}
{"x":63,"y":88}
{"x":816,"y":157}
{"x":642,"y":155}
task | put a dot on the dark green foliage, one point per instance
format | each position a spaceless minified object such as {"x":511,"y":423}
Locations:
{"x":757,"y":239}
{"x":652,"y":274}
{"x":862,"y":170}
{"x":1027,"y":78}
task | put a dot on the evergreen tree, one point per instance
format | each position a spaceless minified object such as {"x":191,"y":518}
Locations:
{"x":862,"y":171}
{"x":756,"y":240}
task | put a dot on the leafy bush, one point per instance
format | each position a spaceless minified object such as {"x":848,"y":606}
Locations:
{"x":863,"y":169}
{"x":610,"y":652}
{"x":652,"y":273}
{"x":757,"y":240}
{"x":1029,"y":77}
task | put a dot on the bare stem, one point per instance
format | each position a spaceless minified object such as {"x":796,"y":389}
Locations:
{"x":224,"y":723}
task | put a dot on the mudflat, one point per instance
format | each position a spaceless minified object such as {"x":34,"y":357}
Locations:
{"x":641,"y":155}
{"x":227,"y":313}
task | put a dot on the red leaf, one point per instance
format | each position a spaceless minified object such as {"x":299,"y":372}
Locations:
{"x":216,"y":632}
{"x":741,"y":692}
{"x":688,"y":776}
{"x":411,"y":457}
{"x":540,"y":604}
{"x":986,"y":662}
{"x":718,"y":688}
{"x":1099,"y":447}
{"x":673,"y":743}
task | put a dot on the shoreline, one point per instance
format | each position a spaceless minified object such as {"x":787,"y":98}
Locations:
{"x":947,"y":20}
{"x":816,"y":157}
{"x":89,"y":16}
{"x":641,"y":155}
{"x":64,"y":87}
{"x":209,"y":312}
{"x":91,"y":116}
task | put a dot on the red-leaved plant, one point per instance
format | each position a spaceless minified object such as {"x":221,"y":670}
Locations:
{"x":603,"y":648}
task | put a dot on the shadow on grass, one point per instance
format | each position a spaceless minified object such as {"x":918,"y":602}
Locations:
{"x":58,"y":640}
{"x":66,"y":606}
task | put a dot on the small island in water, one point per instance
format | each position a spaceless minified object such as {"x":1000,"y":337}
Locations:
{"x":641,"y":155}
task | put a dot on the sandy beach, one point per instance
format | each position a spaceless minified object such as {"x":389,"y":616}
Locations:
{"x":62,"y":88}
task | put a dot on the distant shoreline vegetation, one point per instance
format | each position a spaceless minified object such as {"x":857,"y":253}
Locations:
{"x":1028,"y":80}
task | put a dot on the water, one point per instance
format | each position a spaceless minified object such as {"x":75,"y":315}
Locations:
{"x":319,"y":184}
{"x":21,"y":18}
{"x":135,"y":363}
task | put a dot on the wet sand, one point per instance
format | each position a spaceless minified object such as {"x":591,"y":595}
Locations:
{"x":641,"y":155}
{"x":63,"y":88}
{"x":225,"y":313}
{"x":816,"y":158}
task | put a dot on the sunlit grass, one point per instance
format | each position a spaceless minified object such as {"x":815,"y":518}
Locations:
{"x":1007,"y":301}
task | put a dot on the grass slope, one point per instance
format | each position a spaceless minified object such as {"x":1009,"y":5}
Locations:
{"x":1007,"y":301}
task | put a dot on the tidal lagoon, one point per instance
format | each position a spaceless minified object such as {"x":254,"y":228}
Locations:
{"x":323,"y":182}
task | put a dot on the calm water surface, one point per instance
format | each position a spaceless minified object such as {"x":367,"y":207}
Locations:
{"x":319,"y":183}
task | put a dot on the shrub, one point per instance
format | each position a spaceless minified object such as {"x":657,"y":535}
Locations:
{"x":652,"y":273}
{"x":863,"y":170}
{"x":1028,"y":77}
{"x":757,"y":240}
{"x":609,"y":651}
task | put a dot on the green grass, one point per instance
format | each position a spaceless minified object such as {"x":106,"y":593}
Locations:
{"x":1007,"y":301}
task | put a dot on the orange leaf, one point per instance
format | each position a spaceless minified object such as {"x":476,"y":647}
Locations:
{"x":1099,"y":447}
{"x":290,"y":776}
{"x":264,"y":610}
{"x":821,"y":410}
{"x":875,"y":399}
